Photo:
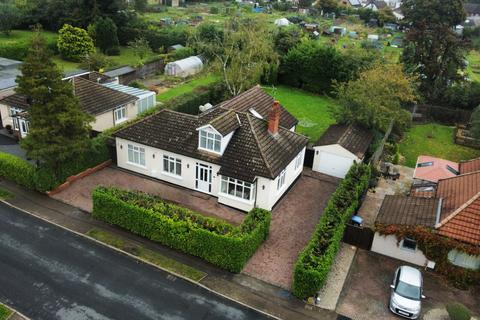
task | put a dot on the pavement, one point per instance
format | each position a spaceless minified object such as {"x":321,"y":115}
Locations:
{"x":293,"y":220}
{"x":240,"y":287}
{"x":51,"y":273}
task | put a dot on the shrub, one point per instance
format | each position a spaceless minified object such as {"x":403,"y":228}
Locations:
{"x":18,"y":49}
{"x":214,"y":240}
{"x":95,"y":61}
{"x":458,"y":311}
{"x":181,"y":54}
{"x":189,"y":102}
{"x":17,"y":170}
{"x":314,"y":262}
{"x":214,"y":10}
{"x":74,"y":43}
{"x":113,"y":51}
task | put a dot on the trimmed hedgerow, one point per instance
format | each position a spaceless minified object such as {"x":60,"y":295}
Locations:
{"x":17,"y":170}
{"x":314,"y":262}
{"x":216,"y":241}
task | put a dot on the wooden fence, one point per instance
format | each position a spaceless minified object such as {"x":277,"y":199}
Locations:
{"x":361,"y":237}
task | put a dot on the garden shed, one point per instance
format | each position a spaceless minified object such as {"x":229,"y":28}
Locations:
{"x":184,"y":67}
{"x":146,"y":98}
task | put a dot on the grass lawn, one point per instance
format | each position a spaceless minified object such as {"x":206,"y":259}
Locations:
{"x":4,"y":312}
{"x":311,"y":110}
{"x":473,"y":68}
{"x":147,"y":255}
{"x":4,"y":194}
{"x":25,"y":36}
{"x":187,"y":86}
{"x":434,"y":140}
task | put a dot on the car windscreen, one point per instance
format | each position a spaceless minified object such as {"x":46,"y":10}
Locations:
{"x":408,"y":291}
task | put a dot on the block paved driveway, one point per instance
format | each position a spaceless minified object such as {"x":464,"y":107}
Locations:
{"x":79,"y":194}
{"x":293,"y":220}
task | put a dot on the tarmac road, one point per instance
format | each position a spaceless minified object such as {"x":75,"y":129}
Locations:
{"x":47,"y":272}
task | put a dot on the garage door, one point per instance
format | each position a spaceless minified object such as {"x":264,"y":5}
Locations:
{"x":334,"y":165}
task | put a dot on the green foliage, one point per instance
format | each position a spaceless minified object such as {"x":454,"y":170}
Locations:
{"x":214,"y":240}
{"x":106,"y":37}
{"x":10,"y":16}
{"x":16,"y":47}
{"x":160,"y":38}
{"x":214,"y":10}
{"x":95,"y":62}
{"x":181,"y":54}
{"x":396,"y":157}
{"x":315,"y":67}
{"x":5,"y":312}
{"x":475,"y":123}
{"x":74,"y":43}
{"x":140,"y":5}
{"x":59,"y":129}
{"x":141,"y":48}
{"x":286,"y":38}
{"x":137,"y":84}
{"x":464,"y":95}
{"x":17,"y":170}
{"x":458,"y":311}
{"x":314,"y":262}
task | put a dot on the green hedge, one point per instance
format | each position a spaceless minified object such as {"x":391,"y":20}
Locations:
{"x":314,"y":262}
{"x":216,"y":241}
{"x":18,"y":50}
{"x":17,"y":170}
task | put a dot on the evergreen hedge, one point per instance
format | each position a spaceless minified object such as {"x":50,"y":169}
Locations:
{"x":216,"y":241}
{"x":17,"y":170}
{"x":314,"y":262}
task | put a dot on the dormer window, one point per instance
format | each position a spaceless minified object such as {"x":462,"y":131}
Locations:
{"x":210,"y":141}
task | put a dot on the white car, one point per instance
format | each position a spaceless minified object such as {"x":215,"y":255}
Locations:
{"x":407,"y":292}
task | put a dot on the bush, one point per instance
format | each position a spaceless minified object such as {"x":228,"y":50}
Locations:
{"x":214,"y":10}
{"x":18,"y":49}
{"x":314,"y":262}
{"x":189,"y":102}
{"x":113,"y":51}
{"x":17,"y":170}
{"x":181,"y":54}
{"x":74,"y":43}
{"x":458,"y":311}
{"x":214,"y":240}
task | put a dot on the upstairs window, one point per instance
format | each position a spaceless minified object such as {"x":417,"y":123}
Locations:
{"x":210,"y":141}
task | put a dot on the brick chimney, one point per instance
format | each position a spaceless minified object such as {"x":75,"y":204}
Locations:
{"x":274,"y":119}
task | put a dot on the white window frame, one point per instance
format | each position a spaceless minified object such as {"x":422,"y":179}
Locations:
{"x":403,"y":247}
{"x":239,"y":187}
{"x":299,"y":161}
{"x":135,"y":153}
{"x":120,"y":114}
{"x":174,"y":166}
{"x":281,"y":180}
{"x":206,"y":137}
{"x":464,"y":260}
{"x":13,"y":112}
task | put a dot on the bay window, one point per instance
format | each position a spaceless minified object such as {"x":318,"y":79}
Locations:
{"x":237,"y":188}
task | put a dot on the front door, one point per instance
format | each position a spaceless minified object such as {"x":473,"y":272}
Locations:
{"x":23,"y":124}
{"x":203,"y":180}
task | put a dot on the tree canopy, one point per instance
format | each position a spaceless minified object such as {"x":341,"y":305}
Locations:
{"x":59,"y":130}
{"x":106,"y":35}
{"x":10,"y":16}
{"x":376,"y":98}
{"x":74,"y":43}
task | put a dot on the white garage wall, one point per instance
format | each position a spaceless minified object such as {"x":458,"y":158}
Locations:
{"x":335,"y":150}
{"x":389,"y":246}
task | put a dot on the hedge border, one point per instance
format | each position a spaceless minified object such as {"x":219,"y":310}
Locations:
{"x":314,"y":262}
{"x":183,"y":229}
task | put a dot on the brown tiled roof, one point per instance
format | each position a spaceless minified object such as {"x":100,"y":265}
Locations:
{"x":97,"y":99}
{"x":408,"y":211}
{"x":456,"y":191}
{"x":469,"y":166}
{"x":251,"y":152}
{"x":464,"y":223}
{"x":94,"y":98}
{"x":226,"y":122}
{"x":15,"y":100}
{"x":257,"y":99}
{"x":351,"y":137}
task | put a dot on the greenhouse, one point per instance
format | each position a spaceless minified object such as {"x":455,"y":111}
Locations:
{"x":185,"y":67}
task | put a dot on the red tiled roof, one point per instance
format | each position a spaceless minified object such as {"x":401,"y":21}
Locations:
{"x":464,"y":223}
{"x":469,"y":166}
{"x":438,"y":170}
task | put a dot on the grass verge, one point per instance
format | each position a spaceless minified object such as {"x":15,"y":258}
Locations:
{"x":146,"y":254}
{"x":186,"y":87}
{"x":433,"y":140}
{"x":312,"y":111}
{"x":4,"y":194}
{"x":4,"y":312}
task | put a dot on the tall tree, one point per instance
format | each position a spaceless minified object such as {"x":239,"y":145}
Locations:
{"x":376,"y":97}
{"x":10,"y":16}
{"x":106,"y":35}
{"x":59,"y":130}
{"x":242,"y":53}
{"x":433,"y":49}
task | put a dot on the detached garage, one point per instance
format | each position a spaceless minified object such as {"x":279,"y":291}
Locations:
{"x":339,"y":147}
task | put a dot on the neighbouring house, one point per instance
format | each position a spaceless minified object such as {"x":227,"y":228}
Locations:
{"x":122,"y":75}
{"x":468,"y":166}
{"x":429,"y":170}
{"x":146,"y":98}
{"x":473,"y":12}
{"x":454,"y":213}
{"x":339,"y":147}
{"x":9,"y":70}
{"x":375,"y":5}
{"x":184,"y":67}
{"x":109,"y":107}
{"x":241,"y":151}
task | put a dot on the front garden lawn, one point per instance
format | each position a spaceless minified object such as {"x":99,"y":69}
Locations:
{"x":311,"y":110}
{"x":187,"y":86}
{"x":434,"y":140}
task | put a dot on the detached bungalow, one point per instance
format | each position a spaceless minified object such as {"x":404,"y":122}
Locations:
{"x":109,"y":107}
{"x":339,"y":147}
{"x":241,"y":151}
{"x":453,"y":213}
